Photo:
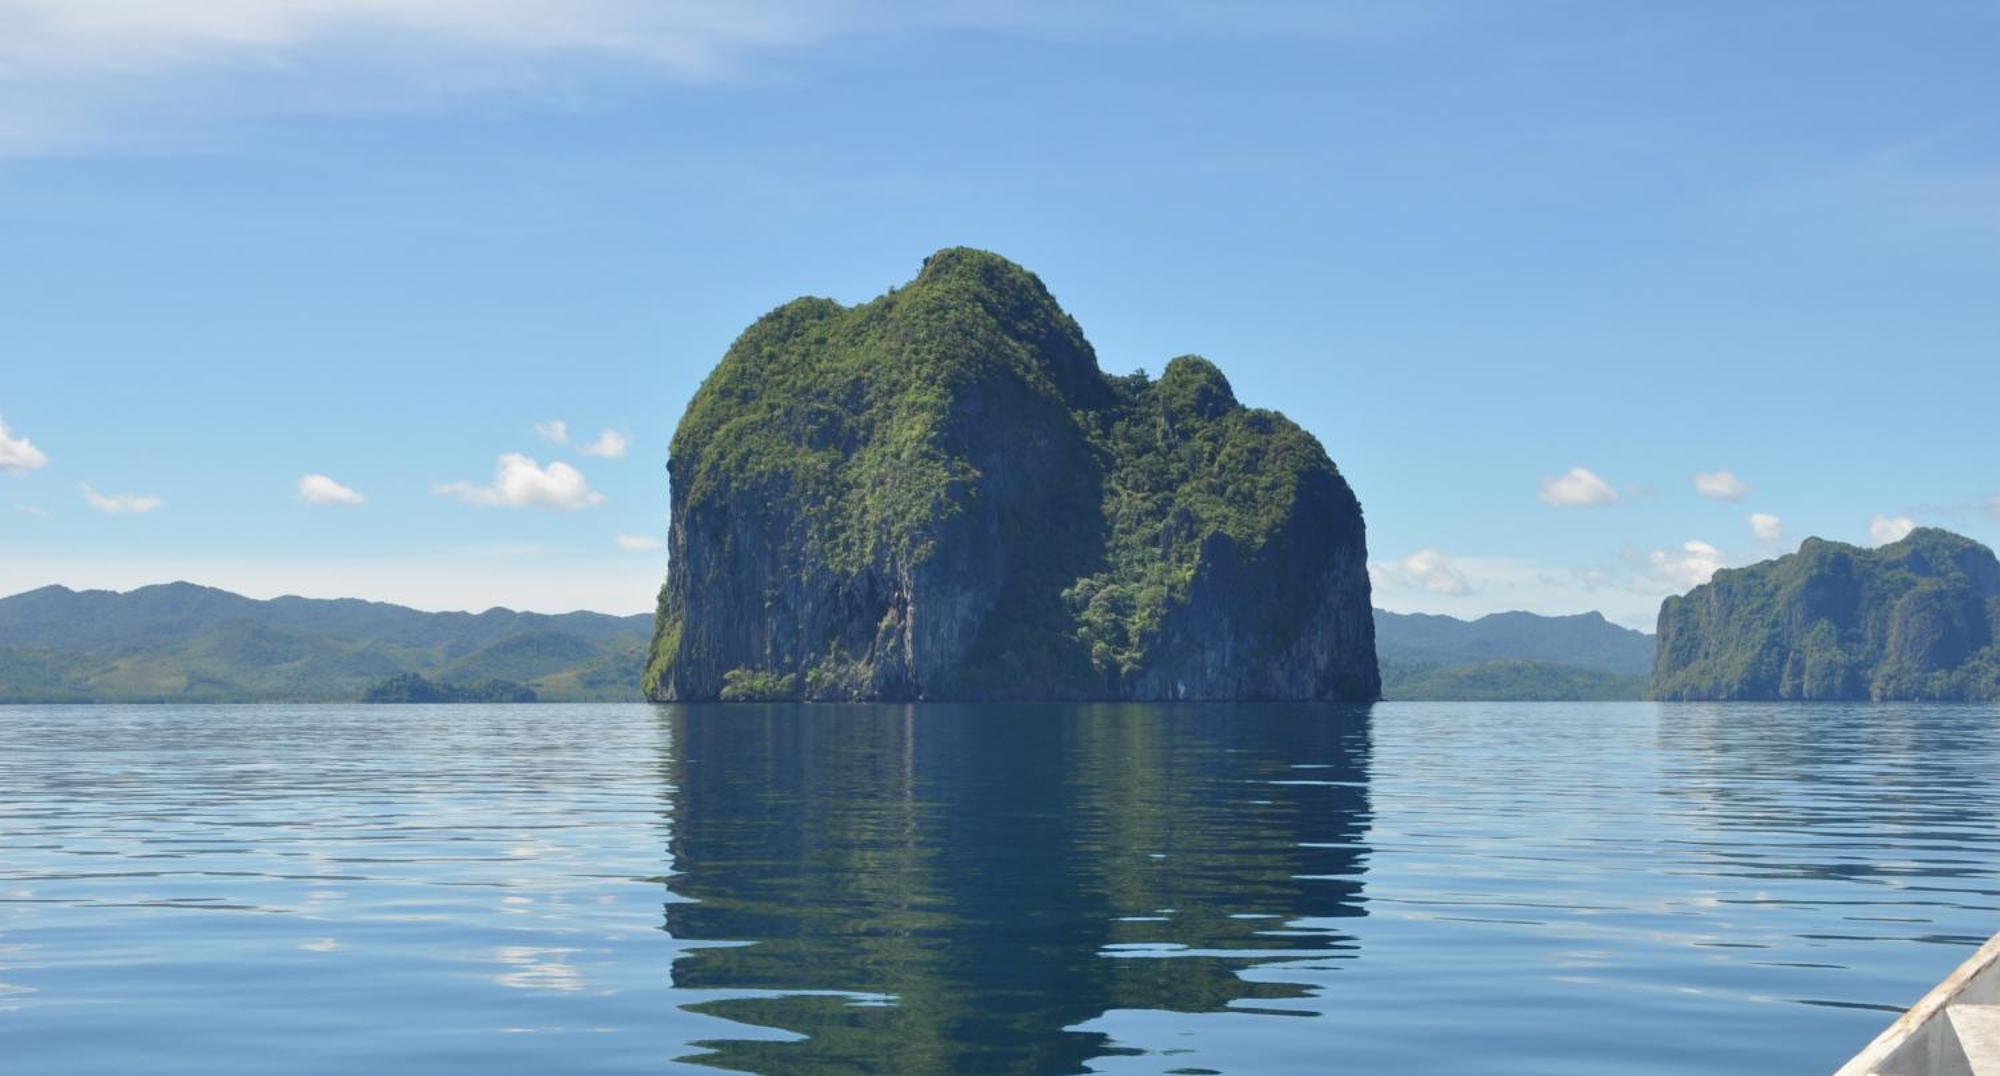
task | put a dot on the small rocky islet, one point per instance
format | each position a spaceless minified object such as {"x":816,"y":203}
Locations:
{"x":938,"y":494}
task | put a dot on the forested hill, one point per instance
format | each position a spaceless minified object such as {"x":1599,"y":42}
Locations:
{"x":1585,"y":640}
{"x":1915,"y":619}
{"x":181,"y":642}
{"x":1510,"y":656}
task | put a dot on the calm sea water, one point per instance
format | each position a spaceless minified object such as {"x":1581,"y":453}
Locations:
{"x":1404,"y":888}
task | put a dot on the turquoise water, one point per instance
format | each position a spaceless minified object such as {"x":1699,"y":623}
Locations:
{"x":1476,"y":888}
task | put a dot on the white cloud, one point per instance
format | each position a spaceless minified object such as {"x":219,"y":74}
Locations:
{"x":700,"y":37}
{"x":18,"y":453}
{"x":1720,"y":486}
{"x":32,"y":509}
{"x":1882,"y":530}
{"x":1993,"y":507}
{"x":610,"y":445}
{"x":119,"y":504}
{"x":141,"y":35}
{"x":319,"y":489}
{"x":1693,"y":564}
{"x":1427,"y":570}
{"x":1579,"y":488}
{"x":70,"y":68}
{"x":1769,"y":529}
{"x":520,"y":482}
{"x":637,"y":543}
{"x":1625,"y":591}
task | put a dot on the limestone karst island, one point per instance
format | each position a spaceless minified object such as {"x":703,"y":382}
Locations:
{"x":1917,"y":619}
{"x":939,"y":495}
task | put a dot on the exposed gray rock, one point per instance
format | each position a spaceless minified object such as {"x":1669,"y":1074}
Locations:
{"x":938,"y":495}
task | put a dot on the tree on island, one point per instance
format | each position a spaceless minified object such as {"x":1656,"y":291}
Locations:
{"x":411,"y":687}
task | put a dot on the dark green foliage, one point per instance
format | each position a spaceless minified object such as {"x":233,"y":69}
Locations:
{"x":410,"y":687}
{"x":1585,"y":640}
{"x":758,"y":685}
{"x":529,"y":655}
{"x":184,"y":643}
{"x":1186,"y":462}
{"x":1513,"y":681}
{"x":1913,"y":620}
{"x":951,"y":450}
{"x":804,"y":407}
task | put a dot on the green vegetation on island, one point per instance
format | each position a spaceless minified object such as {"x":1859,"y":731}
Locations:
{"x":1508,"y":681}
{"x":938,"y":494}
{"x":1916,"y":619}
{"x":1511,"y":656}
{"x":412,"y":687}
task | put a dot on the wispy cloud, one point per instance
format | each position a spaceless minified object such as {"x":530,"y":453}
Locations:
{"x":319,"y":489}
{"x":69,"y":66}
{"x":119,"y":504}
{"x":1627,"y":589}
{"x":1769,"y":529}
{"x":151,"y":34}
{"x":1579,"y":488}
{"x":520,"y":482}
{"x":1427,"y":569}
{"x":1720,"y":486}
{"x":1693,"y":564}
{"x":610,"y":444}
{"x":1939,"y":185}
{"x":1884,"y":530}
{"x":637,"y":543}
{"x":77,"y":72}
{"x":18,"y":454}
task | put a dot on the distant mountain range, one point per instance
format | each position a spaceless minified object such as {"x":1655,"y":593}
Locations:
{"x":1586,"y":640}
{"x":184,"y":643}
{"x":1510,"y":656}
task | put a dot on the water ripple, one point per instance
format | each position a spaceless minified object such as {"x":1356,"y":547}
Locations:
{"x":1444,"y":888}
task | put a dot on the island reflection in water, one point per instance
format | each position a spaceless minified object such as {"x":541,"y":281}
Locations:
{"x":1548,"y":888}
{"x":953,"y":889}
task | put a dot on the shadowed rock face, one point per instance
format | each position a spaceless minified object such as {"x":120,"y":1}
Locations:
{"x":938,"y":495}
{"x":1916,"y":619}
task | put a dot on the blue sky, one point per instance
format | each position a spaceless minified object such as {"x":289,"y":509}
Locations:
{"x":1474,"y":247}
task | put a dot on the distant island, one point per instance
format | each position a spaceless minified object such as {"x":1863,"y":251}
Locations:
{"x":939,"y":495}
{"x":413,"y":687}
{"x":183,"y":643}
{"x":1511,"y":657}
{"x":1915,"y":620}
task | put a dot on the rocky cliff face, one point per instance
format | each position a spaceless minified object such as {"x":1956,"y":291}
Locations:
{"x":938,"y":494}
{"x":1917,"y":619}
